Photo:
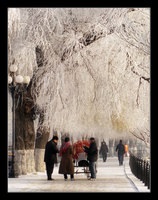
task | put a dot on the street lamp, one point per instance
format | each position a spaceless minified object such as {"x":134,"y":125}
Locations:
{"x":15,"y":82}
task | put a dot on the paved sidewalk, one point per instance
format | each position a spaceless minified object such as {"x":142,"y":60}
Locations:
{"x":110,"y":178}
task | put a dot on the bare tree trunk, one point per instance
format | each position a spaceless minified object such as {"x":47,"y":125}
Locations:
{"x":42,"y":137}
{"x":24,"y":134}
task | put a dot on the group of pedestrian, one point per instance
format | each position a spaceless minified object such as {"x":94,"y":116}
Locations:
{"x":66,"y":166}
{"x":121,"y":149}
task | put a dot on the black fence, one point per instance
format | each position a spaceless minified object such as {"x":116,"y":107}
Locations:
{"x":140,"y":168}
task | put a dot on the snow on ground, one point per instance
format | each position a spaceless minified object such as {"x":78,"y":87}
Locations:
{"x":110,"y":178}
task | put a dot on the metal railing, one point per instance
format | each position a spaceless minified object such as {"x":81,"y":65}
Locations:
{"x":140,"y":168}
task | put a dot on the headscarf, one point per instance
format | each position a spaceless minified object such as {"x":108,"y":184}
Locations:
{"x":64,"y":148}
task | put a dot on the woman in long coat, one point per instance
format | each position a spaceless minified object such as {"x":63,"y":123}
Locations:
{"x":104,"y":150}
{"x":66,"y":164}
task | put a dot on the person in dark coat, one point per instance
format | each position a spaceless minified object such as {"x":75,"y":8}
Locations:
{"x":104,"y":150}
{"x":66,"y":164}
{"x":50,"y":156}
{"x":120,"y":148}
{"x":92,"y":157}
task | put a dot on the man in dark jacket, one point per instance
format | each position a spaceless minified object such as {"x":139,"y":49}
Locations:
{"x":120,"y":148}
{"x":92,"y":157}
{"x":50,"y":156}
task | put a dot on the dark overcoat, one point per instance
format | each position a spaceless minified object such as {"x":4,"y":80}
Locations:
{"x":51,"y":151}
{"x":120,"y":148}
{"x":92,"y":152}
{"x":103,"y":149}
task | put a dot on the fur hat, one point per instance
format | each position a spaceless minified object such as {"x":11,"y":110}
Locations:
{"x":55,"y":137}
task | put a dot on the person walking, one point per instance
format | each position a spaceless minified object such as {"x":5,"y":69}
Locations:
{"x":126,"y":150}
{"x":92,"y":157}
{"x":104,"y":150}
{"x":120,"y":148}
{"x":50,"y":156}
{"x":66,"y":164}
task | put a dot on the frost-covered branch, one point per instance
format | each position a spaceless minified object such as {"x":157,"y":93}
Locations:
{"x":142,"y":135}
{"x":85,"y":64}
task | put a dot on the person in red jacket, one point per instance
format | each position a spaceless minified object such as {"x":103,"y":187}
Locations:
{"x":66,"y":164}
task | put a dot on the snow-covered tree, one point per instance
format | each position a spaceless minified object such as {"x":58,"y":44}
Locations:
{"x":89,"y":69}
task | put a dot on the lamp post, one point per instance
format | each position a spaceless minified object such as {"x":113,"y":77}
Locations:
{"x":14,"y":81}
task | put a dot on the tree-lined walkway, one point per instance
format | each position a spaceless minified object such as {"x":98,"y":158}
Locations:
{"x":110,"y":178}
